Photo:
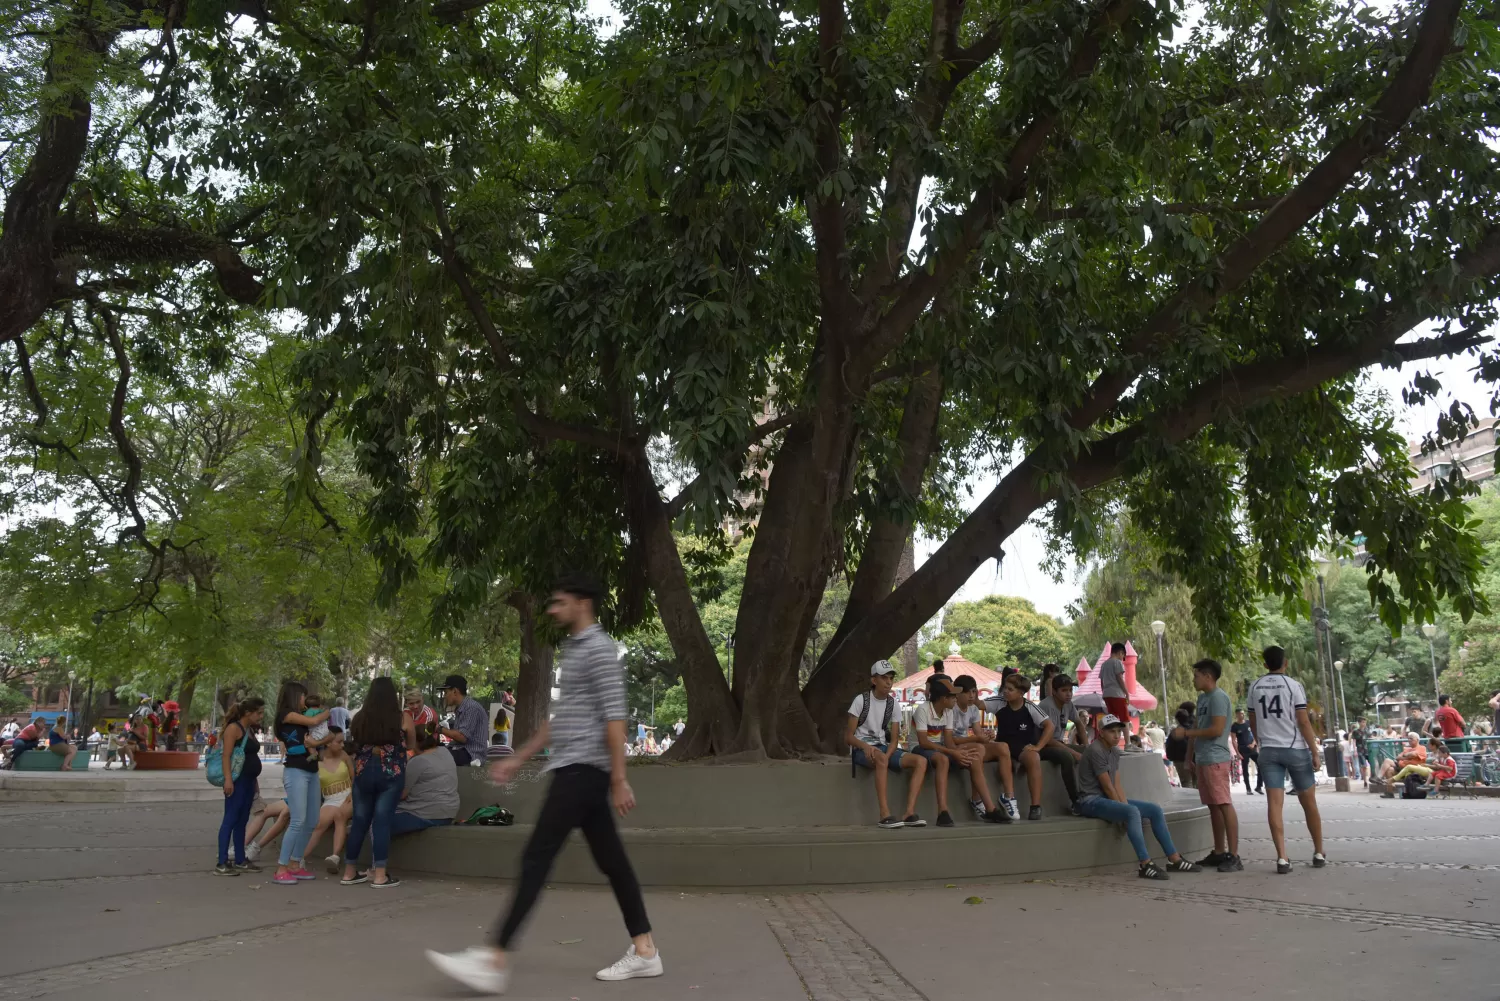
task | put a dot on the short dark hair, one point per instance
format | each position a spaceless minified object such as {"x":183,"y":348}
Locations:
{"x":581,"y":585}
{"x":1210,"y":666}
{"x":1442,"y":700}
{"x":965,"y":683}
{"x":1061,"y":679}
{"x":1274,"y":657}
{"x":1116,"y":647}
{"x":937,"y":665}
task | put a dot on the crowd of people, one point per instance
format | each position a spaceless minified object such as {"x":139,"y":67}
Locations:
{"x":948,"y":740}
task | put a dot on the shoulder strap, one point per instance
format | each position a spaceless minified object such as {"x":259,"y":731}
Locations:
{"x":890,"y":709}
{"x":864,"y":709}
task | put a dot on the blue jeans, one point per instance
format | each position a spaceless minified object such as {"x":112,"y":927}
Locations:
{"x":406,"y":823}
{"x":1131,"y":813}
{"x":375,"y":799}
{"x":236,"y":816}
{"x":304,"y":798}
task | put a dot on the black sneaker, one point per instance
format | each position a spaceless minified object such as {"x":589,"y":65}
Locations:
{"x":1035,"y":813}
{"x":1283,"y":867}
{"x":890,"y":823}
{"x":945,"y":819}
{"x":912,"y":820}
{"x":1319,"y":860}
{"x":1183,"y":865}
{"x":1231,"y":863}
{"x":1075,"y":810}
{"x":997,"y":817}
{"x":1148,"y":870}
{"x":225,"y":869}
{"x":247,"y":867}
{"x":1213,"y":860}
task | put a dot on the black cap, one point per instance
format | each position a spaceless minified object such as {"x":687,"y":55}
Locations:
{"x":455,"y":681}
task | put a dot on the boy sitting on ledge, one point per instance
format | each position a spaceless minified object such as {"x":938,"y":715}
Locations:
{"x":871,"y":735}
{"x":1101,"y":797}
{"x":932,"y":727}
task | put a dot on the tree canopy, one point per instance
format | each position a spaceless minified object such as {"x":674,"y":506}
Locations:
{"x":796,"y":269}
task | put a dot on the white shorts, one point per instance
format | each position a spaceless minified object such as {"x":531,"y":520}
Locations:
{"x":336,"y":799}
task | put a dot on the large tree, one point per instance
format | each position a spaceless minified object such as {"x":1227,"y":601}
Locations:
{"x":800,"y":268}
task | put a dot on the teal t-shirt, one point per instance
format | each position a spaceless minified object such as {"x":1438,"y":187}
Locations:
{"x":1212,"y":750}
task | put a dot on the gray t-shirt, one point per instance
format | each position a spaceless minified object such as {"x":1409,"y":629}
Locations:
{"x":1061,"y":716}
{"x":431,"y":786}
{"x":1098,"y":759}
{"x":1212,"y":750}
{"x":1112,"y":679}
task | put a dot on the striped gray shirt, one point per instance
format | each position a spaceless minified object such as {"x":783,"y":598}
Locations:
{"x":591,"y":693}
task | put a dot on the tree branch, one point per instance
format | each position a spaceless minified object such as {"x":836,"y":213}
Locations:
{"x":762,"y":431}
{"x":160,"y":245}
{"x":1407,"y":91}
{"x":917,"y":290}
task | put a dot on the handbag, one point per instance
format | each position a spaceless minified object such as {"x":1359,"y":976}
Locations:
{"x":214,"y":766}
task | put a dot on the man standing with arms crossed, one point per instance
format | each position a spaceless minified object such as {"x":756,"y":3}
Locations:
{"x":1278,"y":714}
{"x":587,"y":738}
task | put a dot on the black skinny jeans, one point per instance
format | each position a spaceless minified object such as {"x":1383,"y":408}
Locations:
{"x":1064,"y":760}
{"x":1245,"y":758}
{"x":578,"y":797}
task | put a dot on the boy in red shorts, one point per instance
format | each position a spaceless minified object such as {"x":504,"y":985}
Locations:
{"x":1209,"y":754}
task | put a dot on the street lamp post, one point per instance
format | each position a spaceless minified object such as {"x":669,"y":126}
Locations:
{"x":1338,"y":669}
{"x":1159,"y":628}
{"x":1429,"y":630}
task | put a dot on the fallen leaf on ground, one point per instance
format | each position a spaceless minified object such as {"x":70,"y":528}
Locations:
{"x":973,"y":900}
{"x":950,"y":886}
{"x":569,"y":941}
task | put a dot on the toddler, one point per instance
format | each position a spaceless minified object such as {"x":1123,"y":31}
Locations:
{"x":318,"y":730}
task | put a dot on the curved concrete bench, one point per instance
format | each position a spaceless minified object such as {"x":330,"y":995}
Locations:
{"x":166,"y":761}
{"x":796,"y":824}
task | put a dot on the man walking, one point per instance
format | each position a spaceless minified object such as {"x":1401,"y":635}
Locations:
{"x":1209,"y":755}
{"x":1288,"y":746}
{"x":1244,"y":742}
{"x":470,"y":734}
{"x":587,"y":738}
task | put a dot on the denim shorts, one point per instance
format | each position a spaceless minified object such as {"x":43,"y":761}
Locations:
{"x":893,"y":763}
{"x":1277,"y":762}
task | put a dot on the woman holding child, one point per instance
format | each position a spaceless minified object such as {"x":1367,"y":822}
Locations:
{"x":300,"y":777}
{"x":382,"y":734}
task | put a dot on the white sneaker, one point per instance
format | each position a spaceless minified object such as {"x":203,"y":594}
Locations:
{"x":978,"y":806}
{"x":252,"y":852}
{"x":473,"y":968}
{"x":1011,"y":809}
{"x":335,"y":864}
{"x":630,"y":966}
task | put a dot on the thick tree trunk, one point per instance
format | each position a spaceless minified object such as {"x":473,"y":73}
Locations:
{"x":534,"y":684}
{"x":712,"y":713}
{"x":187,"y":688}
{"x":834,"y":683}
{"x":908,"y":567}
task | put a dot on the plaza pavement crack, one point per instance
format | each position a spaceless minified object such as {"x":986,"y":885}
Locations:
{"x":833,"y":961}
{"x":56,"y":979}
{"x":1457,"y":927}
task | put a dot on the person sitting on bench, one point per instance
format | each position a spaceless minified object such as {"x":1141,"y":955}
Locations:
{"x":1412,"y":754}
{"x":1440,"y":767}
{"x":59,"y":744}
{"x":871,"y":733}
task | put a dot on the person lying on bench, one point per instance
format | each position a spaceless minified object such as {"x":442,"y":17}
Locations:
{"x":871,"y":733}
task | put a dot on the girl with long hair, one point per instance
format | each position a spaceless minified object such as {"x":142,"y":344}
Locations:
{"x":240,"y":724}
{"x":300,"y":777}
{"x":336,"y":781}
{"x":382,"y":734}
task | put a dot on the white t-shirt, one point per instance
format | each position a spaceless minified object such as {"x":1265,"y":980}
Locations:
{"x":933,"y":722}
{"x":1274,"y":700}
{"x":871,"y":731}
{"x":963,"y":721}
{"x":11,"y":729}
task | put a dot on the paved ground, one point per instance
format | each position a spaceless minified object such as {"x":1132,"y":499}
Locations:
{"x":115,"y":900}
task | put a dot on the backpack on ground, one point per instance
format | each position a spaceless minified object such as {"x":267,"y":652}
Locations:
{"x":491,"y":816}
{"x":1413,"y":787}
{"x":864,"y":714}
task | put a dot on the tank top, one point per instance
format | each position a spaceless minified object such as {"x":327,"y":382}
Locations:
{"x":251,"y":768}
{"x":335,"y":781}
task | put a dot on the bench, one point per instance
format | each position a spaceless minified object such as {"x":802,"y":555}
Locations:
{"x":1464,"y":761}
{"x":42,"y":760}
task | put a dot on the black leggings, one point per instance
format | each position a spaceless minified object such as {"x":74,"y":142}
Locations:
{"x":578,"y":797}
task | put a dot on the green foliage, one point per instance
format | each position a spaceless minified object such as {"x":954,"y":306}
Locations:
{"x":1000,"y":631}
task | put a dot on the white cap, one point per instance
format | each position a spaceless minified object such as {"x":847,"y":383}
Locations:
{"x":1108,"y":720}
{"x":882,"y":667}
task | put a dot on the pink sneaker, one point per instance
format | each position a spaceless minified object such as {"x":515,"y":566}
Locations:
{"x":284,"y":878}
{"x":300,"y":873}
